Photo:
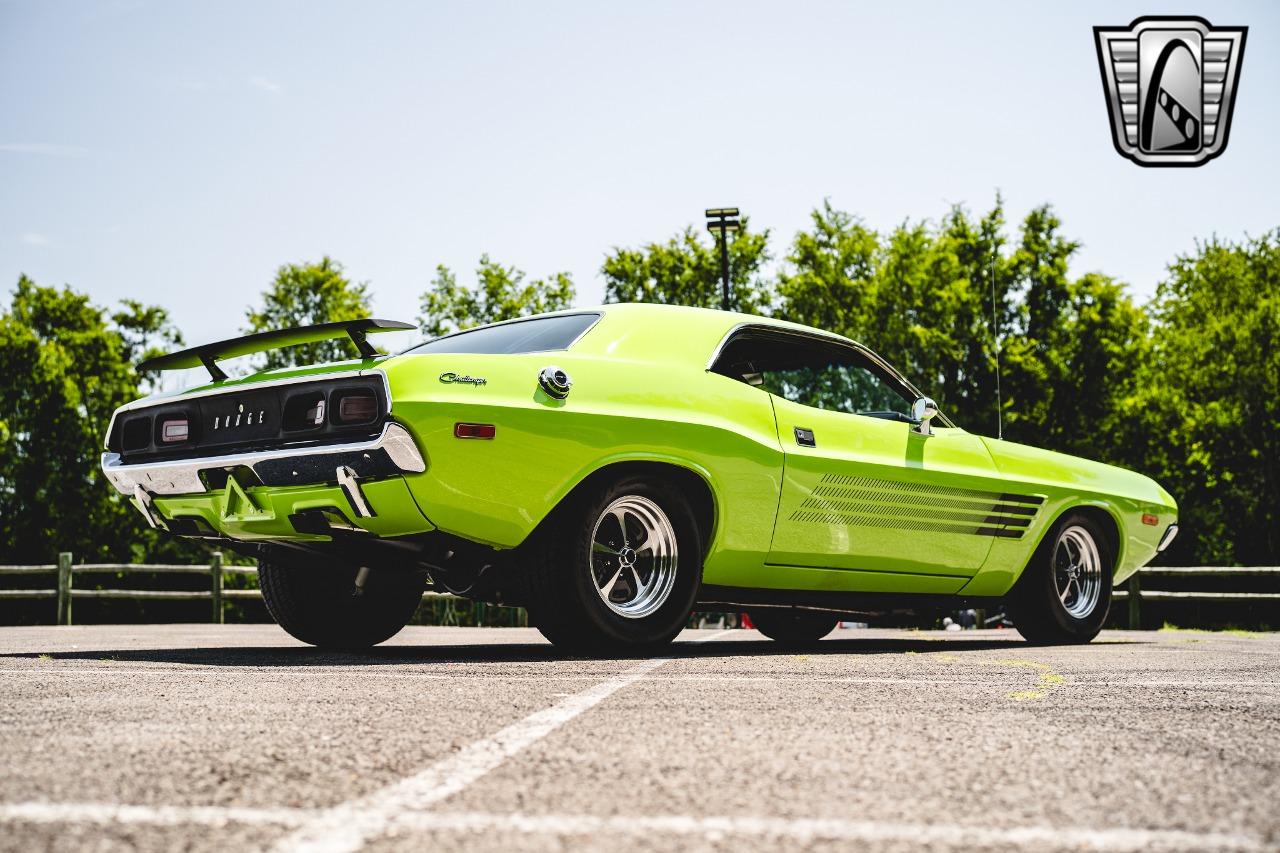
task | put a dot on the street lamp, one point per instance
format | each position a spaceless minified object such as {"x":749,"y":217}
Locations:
{"x":720,"y":221}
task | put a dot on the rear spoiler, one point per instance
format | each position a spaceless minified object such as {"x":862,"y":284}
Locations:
{"x":209,"y":354}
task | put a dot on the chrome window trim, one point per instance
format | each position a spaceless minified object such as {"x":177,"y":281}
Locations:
{"x":182,"y":476}
{"x":599,"y":315}
{"x":825,"y":337}
{"x":147,"y":402}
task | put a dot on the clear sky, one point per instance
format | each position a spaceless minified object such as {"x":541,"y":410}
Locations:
{"x":179,"y":152}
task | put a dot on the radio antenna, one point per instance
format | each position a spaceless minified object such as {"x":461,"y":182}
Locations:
{"x":995,"y":335}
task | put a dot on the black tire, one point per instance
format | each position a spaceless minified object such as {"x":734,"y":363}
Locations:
{"x":319,"y":604}
{"x":563,"y":594}
{"x":792,"y":626}
{"x":1043,"y":605}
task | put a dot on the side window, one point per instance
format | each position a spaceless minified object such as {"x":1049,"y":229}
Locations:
{"x":813,"y":372}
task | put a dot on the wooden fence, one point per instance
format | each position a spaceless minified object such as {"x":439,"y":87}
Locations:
{"x":65,"y":592}
{"x":1135,"y":595}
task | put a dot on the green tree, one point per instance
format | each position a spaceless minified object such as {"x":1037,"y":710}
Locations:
{"x":829,"y":276}
{"x":64,"y":368}
{"x":920,"y":296}
{"x":1209,"y":401}
{"x":685,"y":270}
{"x":1071,"y":355}
{"x":501,"y":293}
{"x":305,"y":294}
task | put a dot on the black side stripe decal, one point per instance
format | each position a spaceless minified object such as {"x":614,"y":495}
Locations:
{"x":874,"y":502}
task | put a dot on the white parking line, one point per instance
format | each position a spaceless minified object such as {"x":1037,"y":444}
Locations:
{"x":148,"y":815}
{"x":917,"y":835}
{"x":758,"y":829}
{"x":346,"y":827}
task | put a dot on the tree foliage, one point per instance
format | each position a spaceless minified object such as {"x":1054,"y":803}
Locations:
{"x":1207,"y":407}
{"x":305,"y":294}
{"x":685,"y":270}
{"x":501,"y":293}
{"x":65,"y":365}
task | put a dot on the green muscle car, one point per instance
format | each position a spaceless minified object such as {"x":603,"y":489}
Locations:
{"x":613,"y":469}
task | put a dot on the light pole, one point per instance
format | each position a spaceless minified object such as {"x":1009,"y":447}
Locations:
{"x":720,"y":221}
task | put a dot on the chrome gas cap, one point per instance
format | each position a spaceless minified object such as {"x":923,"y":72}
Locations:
{"x":555,"y":382}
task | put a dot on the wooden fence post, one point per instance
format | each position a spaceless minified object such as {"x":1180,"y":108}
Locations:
{"x":1135,"y":603}
{"x":64,"y":588}
{"x":215,"y":585}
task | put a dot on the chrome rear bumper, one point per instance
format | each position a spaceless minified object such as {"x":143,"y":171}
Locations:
{"x":392,"y":452}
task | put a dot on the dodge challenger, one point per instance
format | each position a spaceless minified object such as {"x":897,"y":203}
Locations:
{"x":612,"y":470}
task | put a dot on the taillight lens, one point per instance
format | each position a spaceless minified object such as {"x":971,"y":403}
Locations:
{"x":304,"y":411}
{"x":174,"y":430}
{"x":137,"y":434}
{"x":356,"y":407}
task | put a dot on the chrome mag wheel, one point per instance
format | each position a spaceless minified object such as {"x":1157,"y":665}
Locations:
{"x":1077,"y":571}
{"x":633,"y":556}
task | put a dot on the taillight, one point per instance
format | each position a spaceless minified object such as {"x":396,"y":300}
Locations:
{"x":304,"y":411}
{"x":136,"y":434}
{"x":358,"y":406}
{"x":174,"y":430}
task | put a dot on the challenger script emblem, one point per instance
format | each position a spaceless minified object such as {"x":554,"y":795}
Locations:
{"x":463,"y":379}
{"x":1170,"y":84}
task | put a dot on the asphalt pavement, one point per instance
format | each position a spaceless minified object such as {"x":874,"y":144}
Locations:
{"x":200,"y":737}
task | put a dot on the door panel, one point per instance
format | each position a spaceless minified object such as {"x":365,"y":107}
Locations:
{"x":873,"y":495}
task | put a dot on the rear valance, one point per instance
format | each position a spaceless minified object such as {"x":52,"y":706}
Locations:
{"x":209,"y":354}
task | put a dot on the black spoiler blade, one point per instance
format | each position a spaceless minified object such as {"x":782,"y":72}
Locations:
{"x":209,"y":354}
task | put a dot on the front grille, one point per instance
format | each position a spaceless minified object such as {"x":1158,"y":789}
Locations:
{"x":249,"y":418}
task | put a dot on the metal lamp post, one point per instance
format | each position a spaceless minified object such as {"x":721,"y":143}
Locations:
{"x":720,"y":221}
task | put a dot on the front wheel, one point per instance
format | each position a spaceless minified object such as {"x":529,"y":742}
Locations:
{"x":1065,"y":593}
{"x":792,"y":626}
{"x":618,"y":567}
{"x":322,"y":605}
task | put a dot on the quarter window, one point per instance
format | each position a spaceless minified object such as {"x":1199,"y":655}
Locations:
{"x":540,"y":334}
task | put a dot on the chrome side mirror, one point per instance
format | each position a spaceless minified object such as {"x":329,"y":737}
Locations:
{"x":922,"y":411}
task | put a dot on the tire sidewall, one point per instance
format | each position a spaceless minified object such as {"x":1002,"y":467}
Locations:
{"x":670,"y":618}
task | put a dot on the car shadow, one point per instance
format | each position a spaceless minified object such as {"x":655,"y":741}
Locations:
{"x":294,"y":656}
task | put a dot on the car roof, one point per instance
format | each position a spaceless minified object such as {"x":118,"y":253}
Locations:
{"x":669,"y":332}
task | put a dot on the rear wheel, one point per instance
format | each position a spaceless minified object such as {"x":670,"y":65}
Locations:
{"x":1065,"y":593}
{"x":618,"y":567}
{"x":322,"y":605}
{"x":792,"y":626}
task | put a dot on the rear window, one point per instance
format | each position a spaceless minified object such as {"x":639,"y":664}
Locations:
{"x":537,"y":335}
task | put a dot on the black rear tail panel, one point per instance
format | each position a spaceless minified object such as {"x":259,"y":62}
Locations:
{"x":297,"y":414}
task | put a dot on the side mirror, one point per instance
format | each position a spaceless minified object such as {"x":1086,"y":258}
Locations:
{"x":922,"y":411}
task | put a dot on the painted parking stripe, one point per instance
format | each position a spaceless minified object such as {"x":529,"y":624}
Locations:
{"x":348,"y":826}
{"x":917,"y":835}
{"x":713,"y":828}
{"x":107,"y":813}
